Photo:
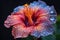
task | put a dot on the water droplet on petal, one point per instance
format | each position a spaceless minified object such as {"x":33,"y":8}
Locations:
{"x":53,"y":19}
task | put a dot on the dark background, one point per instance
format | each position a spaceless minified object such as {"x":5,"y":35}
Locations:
{"x":7,"y":7}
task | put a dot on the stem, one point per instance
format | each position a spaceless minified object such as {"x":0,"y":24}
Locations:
{"x":34,"y":38}
{"x":37,"y":38}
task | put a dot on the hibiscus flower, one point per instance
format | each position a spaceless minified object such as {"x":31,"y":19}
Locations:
{"x":35,"y":19}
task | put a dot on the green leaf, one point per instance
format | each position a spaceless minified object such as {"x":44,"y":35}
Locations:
{"x":58,"y":28}
{"x":50,"y":37}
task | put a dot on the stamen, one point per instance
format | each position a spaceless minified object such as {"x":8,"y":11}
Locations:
{"x":28,"y":13}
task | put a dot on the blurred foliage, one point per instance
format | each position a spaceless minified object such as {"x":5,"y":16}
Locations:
{"x":50,"y":37}
{"x":55,"y":36}
{"x":58,"y":28}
